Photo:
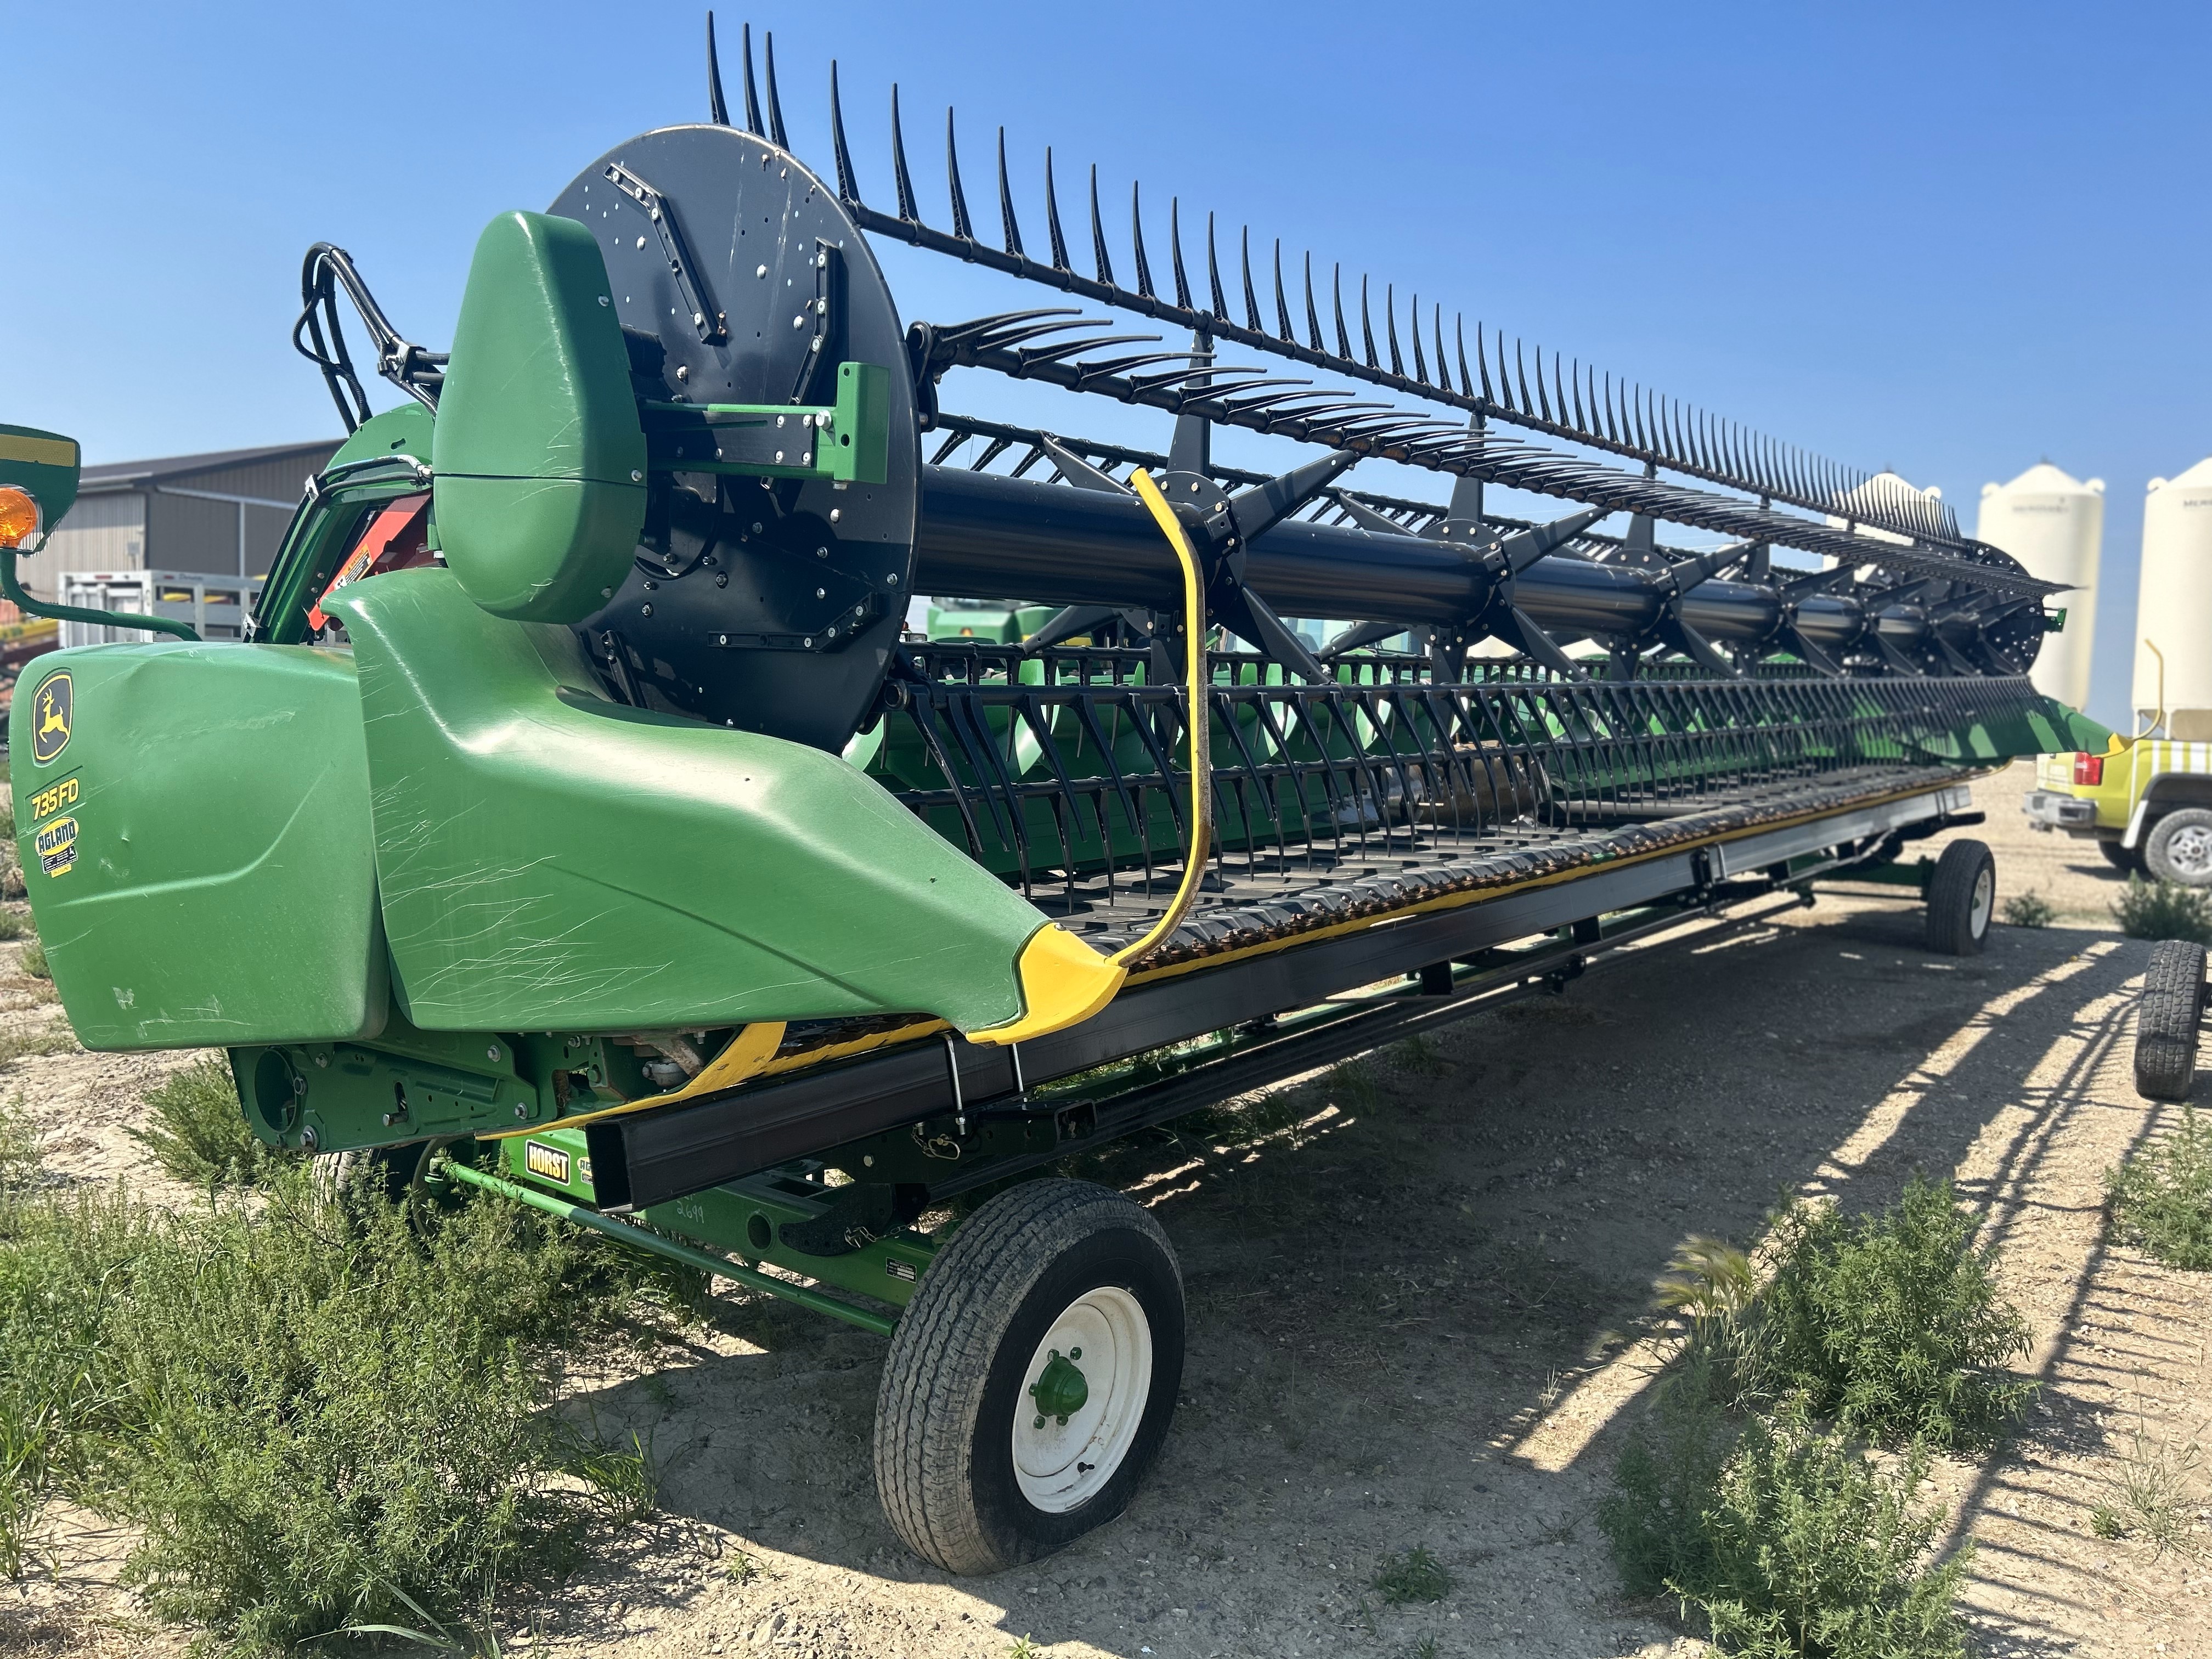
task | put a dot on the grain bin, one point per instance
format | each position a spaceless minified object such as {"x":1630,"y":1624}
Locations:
{"x":2173,"y":606}
{"x":1884,"y":495}
{"x":2054,"y":524}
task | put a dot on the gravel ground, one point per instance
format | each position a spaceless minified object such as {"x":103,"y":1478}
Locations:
{"x":1418,"y":1318}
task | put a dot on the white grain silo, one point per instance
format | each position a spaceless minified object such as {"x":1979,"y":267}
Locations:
{"x":2055,"y":526}
{"x":2173,"y":607}
{"x":1886,"y":494}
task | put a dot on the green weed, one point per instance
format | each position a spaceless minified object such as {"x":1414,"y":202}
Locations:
{"x":2164,"y":909}
{"x":2104,"y":1522}
{"x":1891,"y":1325}
{"x":2161,"y":1198}
{"x":19,"y":1150}
{"x":318,"y":1412}
{"x":1415,"y":1575}
{"x":1666,"y":1478}
{"x":1814,"y":1551}
{"x":624,"y":1479}
{"x":60,"y":1256}
{"x":1350,"y":1087}
{"x":2029,"y":909}
{"x":14,"y":924}
{"x":197,"y":1131}
{"x":2159,"y":1489}
{"x":1733,"y":1498}
{"x":1419,"y":1056}
{"x":33,"y":960}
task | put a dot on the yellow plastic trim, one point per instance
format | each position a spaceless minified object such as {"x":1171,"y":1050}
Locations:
{"x":745,"y":1055}
{"x":1063,"y":982}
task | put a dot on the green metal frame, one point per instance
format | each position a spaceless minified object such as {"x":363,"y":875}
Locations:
{"x":642,"y":1238}
{"x":847,"y":441}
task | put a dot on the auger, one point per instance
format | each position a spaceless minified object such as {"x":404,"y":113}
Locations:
{"x":583,"y":822}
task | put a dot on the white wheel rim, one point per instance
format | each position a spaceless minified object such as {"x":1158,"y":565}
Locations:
{"x":1985,"y":898}
{"x":1104,"y":1334}
{"x":2190,"y":853}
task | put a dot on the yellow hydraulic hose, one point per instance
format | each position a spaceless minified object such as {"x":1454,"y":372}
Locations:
{"x":1199,"y":722}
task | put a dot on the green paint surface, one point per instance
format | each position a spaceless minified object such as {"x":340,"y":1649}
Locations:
{"x":552,"y":860}
{"x":215,"y":883}
{"x":538,"y":455}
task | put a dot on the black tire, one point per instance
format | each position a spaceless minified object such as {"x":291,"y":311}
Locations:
{"x":1962,"y":897}
{"x":958,"y":1374}
{"x":2168,"y":1018}
{"x":2178,"y":848}
{"x":392,"y":1171}
{"x":2128,"y":860}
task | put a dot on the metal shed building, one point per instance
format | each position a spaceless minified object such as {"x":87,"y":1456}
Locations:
{"x":221,"y":513}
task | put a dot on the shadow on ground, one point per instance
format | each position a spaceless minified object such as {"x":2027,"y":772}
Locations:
{"x":1415,"y":1319}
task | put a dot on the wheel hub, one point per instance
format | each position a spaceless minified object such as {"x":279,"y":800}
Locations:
{"x":1087,"y":1383}
{"x":1062,"y":1390}
{"x":2190,"y":852}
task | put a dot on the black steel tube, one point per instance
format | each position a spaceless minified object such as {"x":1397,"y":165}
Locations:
{"x":989,"y":535}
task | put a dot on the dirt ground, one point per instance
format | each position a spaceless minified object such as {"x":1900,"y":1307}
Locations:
{"x":1420,"y":1319}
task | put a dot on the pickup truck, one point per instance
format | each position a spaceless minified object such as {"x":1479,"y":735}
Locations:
{"x":2146,"y":802}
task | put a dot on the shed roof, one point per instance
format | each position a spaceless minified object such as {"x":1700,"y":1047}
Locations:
{"x":130,"y":475}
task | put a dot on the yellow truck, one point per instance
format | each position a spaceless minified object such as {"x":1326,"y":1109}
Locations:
{"x":2146,"y":801}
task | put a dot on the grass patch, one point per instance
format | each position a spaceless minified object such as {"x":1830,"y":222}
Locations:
{"x":1419,"y":1056}
{"x":1891,"y":1325}
{"x":1415,"y":1575}
{"x":2160,"y":1199}
{"x":14,"y":924}
{"x":34,"y":961}
{"x":21,"y":1043}
{"x":2164,"y":909}
{"x":1349,"y":1087}
{"x":196,"y":1131}
{"x":2029,"y":909}
{"x":2158,"y":1491}
{"x":320,"y":1411}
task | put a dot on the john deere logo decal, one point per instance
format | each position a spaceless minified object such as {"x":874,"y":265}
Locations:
{"x":50,"y":718}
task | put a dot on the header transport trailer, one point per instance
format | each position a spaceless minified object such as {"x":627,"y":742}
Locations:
{"x":580,"y":822}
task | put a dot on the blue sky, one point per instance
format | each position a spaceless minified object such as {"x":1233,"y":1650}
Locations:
{"x":1954,"y":240}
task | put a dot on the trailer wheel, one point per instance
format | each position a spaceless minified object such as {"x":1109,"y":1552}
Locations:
{"x":393,"y":1170}
{"x":1030,"y":1381}
{"x":2168,"y":1020}
{"x":1962,"y":895}
{"x":2178,"y":848}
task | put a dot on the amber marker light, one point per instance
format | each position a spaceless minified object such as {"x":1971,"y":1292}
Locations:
{"x":19,"y":517}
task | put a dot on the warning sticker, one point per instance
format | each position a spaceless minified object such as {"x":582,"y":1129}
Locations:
{"x":57,"y":847}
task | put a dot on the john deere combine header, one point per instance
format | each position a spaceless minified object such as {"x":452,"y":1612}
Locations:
{"x":582,"y":823}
